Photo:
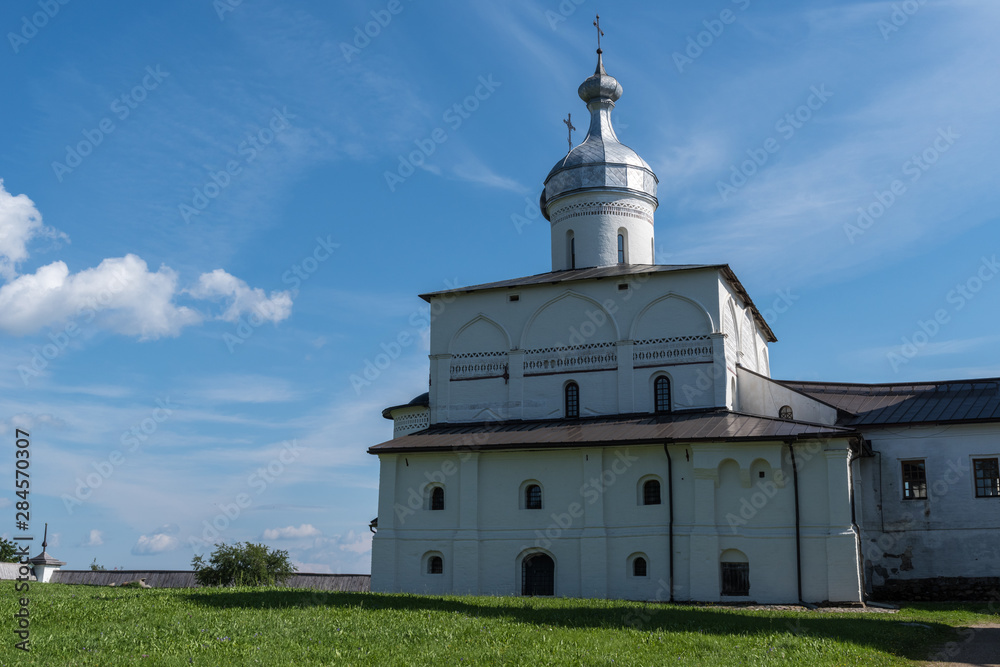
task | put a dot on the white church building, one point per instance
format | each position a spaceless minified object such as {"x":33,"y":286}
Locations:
{"x":610,"y":429}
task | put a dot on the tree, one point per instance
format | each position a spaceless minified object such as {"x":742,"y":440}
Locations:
{"x":243,"y":565}
{"x":8,"y":551}
{"x":96,"y":567}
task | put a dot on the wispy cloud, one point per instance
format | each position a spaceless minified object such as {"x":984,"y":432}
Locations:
{"x":245,"y":389}
{"x":853,"y":148}
{"x":291,"y":532}
{"x":473,"y":170}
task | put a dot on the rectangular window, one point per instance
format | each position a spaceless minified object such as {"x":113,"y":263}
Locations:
{"x":572,"y":400}
{"x":914,"y":480}
{"x":987,"y":473}
{"x":736,"y":578}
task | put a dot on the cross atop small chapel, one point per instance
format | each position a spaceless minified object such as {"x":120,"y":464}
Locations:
{"x":569,"y":126}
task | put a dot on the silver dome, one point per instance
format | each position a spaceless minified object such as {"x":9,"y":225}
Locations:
{"x":600,"y":162}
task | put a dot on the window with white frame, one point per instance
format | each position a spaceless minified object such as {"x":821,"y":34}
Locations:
{"x":987,"y":475}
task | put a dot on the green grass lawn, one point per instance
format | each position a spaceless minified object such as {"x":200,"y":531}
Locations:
{"x":83,"y":625}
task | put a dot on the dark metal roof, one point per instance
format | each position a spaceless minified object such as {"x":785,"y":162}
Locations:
{"x":913,"y":403}
{"x":45,"y":559}
{"x":695,"y":426}
{"x":615,"y":271}
{"x":423,"y":399}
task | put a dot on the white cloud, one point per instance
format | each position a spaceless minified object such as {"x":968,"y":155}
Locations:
{"x":20,"y":222}
{"x":243,"y":298}
{"x":357,"y":543}
{"x":163,"y":539}
{"x":121,"y":293}
{"x":291,"y":532}
{"x":95,"y":539}
{"x":154,"y":544}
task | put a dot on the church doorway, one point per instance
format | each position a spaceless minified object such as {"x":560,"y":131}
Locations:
{"x":538,"y":575}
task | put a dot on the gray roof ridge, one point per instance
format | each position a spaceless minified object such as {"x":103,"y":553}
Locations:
{"x":890,"y":385}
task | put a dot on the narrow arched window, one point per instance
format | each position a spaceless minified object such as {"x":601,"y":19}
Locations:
{"x":651,"y":492}
{"x":437,"y":498}
{"x":533,"y":497}
{"x":572,"y":400}
{"x":662,"y":390}
{"x":572,"y":253}
{"x":785,"y":412}
{"x":639,"y":567}
{"x":621,"y":248}
{"x":435,"y":565}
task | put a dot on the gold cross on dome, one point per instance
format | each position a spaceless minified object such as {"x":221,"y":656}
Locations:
{"x":569,"y":126}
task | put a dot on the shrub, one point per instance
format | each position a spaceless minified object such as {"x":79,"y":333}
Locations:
{"x":96,"y":567}
{"x":8,"y":551}
{"x":243,"y":565}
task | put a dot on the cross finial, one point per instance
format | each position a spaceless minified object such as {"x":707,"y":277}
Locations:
{"x":569,"y":126}
{"x":45,"y":539}
{"x":600,"y":33}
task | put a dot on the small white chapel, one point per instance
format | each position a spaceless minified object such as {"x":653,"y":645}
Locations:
{"x":610,"y":429}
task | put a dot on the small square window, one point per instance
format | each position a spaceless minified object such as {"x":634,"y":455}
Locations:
{"x":987,"y":472}
{"x":513,"y":297}
{"x":622,"y":287}
{"x":914,"y":480}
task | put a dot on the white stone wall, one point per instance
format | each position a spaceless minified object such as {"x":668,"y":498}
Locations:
{"x":761,"y":396}
{"x":595,"y":220}
{"x":610,"y":341}
{"x":950,"y":534}
{"x":745,"y":344}
{"x":410,"y":419}
{"x":593,"y":523}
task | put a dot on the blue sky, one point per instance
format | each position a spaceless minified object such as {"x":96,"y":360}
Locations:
{"x":200,"y":245}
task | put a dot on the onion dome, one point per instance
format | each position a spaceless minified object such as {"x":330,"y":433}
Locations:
{"x":601,"y":163}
